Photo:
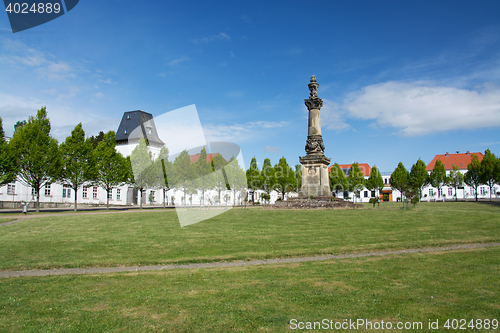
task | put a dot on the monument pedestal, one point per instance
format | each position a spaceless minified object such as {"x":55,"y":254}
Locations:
{"x":315,"y":180}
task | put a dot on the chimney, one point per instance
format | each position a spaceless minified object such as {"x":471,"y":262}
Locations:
{"x":468,"y":152}
{"x":447,"y":154}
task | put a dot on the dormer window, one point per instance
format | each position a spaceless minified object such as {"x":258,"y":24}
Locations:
{"x":128,"y":116}
{"x":126,"y":131}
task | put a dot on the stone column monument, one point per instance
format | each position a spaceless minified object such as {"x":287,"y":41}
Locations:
{"x":315,"y":180}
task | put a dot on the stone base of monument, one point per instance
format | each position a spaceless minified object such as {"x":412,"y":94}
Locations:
{"x":313,"y":203}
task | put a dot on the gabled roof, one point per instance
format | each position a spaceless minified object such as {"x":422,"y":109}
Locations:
{"x":210,"y":157}
{"x":365,"y":168}
{"x":449,"y":160}
{"x":137,"y":125}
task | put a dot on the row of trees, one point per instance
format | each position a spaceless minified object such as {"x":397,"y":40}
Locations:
{"x":36,"y":159}
{"x":410,"y":184}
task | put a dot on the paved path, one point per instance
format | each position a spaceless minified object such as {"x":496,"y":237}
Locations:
{"x":101,"y":270}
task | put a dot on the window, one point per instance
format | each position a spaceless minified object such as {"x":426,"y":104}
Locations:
{"x":94,"y":192}
{"x":431,"y":192}
{"x":440,"y":192}
{"x":482,"y":190}
{"x":450,"y":191}
{"x":128,"y":116}
{"x":117,"y":194}
{"x":366,"y":194}
{"x":33,"y":191}
{"x":373,"y":194}
{"x":84,"y":192}
{"x":47,"y":189}
{"x":385,"y":180}
{"x":110,"y":194}
{"x":126,"y":131}
{"x":472,"y":191}
{"x":11,"y":188}
{"x":66,"y":191}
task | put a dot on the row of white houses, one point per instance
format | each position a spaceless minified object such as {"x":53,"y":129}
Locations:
{"x":139,"y":124}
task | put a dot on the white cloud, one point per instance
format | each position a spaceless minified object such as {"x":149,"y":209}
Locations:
{"x":107,"y":81}
{"x":420,"y":108}
{"x":332,"y":118}
{"x":269,"y":149}
{"x":98,"y":95}
{"x":18,"y":54}
{"x":239,"y":132}
{"x":212,"y":38}
{"x":178,"y":61}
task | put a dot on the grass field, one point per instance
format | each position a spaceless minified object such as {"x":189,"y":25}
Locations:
{"x":461,"y":284}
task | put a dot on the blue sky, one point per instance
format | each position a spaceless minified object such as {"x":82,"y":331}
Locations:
{"x":400,"y":80}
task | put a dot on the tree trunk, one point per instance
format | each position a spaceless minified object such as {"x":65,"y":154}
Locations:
{"x":76,"y":199}
{"x":107,"y":199}
{"x":140,"y":191}
{"x":163,"y":197}
{"x":38,"y":200}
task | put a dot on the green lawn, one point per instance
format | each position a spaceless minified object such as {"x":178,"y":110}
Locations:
{"x":404,"y":288}
{"x":155,"y":237}
{"x":461,"y":284}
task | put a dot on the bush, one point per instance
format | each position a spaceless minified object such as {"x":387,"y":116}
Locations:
{"x":373,"y":201}
{"x":385,"y":197}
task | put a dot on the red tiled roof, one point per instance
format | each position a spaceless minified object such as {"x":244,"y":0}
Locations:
{"x":365,"y":168}
{"x":210,"y":156}
{"x":449,"y":160}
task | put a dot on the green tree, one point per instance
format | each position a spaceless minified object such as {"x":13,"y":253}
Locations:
{"x":236,"y":177}
{"x":96,"y":139}
{"x":298,"y":177}
{"x":142,"y":167}
{"x":36,"y":153}
{"x":284,"y":177}
{"x":7,"y":162}
{"x":77,"y":161}
{"x":355,"y":180}
{"x":487,"y":169}
{"x":400,"y":180}
{"x":472,"y":176}
{"x":161,"y":169}
{"x":111,"y":168}
{"x":183,"y":174}
{"x":253,"y":178}
{"x":220,"y":175}
{"x":419,"y":177}
{"x":455,"y":179}
{"x":267,"y":176}
{"x":338,"y":180}
{"x":205,"y":179}
{"x":438,"y":178}
{"x":375,"y":181}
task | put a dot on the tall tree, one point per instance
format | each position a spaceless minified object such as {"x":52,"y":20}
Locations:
{"x":487,"y":169}
{"x":438,"y":178}
{"x":267,"y":177}
{"x":236,"y":177}
{"x":455,"y":179}
{"x":253,"y":177}
{"x":220,"y":176}
{"x":298,"y":177}
{"x":284,"y":177}
{"x":338,"y":181}
{"x":7,"y":162}
{"x":400,"y":180}
{"x":419,"y":177}
{"x":205,"y":179}
{"x":161,"y":171}
{"x":36,"y":153}
{"x":183,"y":174}
{"x":77,"y":161}
{"x":472,"y":176}
{"x":375,"y":181}
{"x":142,"y":167}
{"x":356,"y":179}
{"x":111,"y":168}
